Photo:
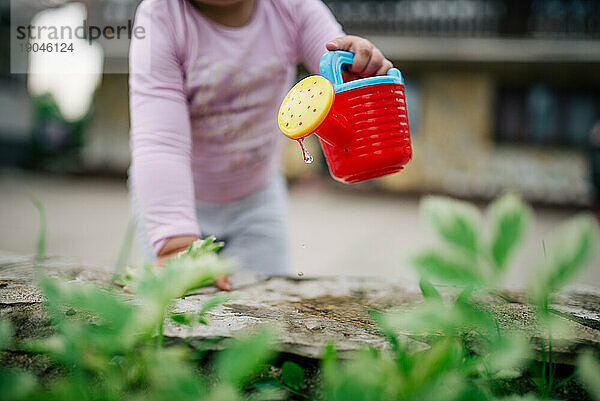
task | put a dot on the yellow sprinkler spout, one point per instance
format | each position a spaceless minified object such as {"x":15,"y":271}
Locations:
{"x":305,"y":107}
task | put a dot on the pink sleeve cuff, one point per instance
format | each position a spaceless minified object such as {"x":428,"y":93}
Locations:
{"x":164,"y":233}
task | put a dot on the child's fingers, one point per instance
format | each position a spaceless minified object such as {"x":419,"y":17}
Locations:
{"x":223,"y":283}
{"x":368,"y":60}
{"x":387,"y":64}
{"x":336,"y":44}
{"x":375,"y":63}
{"x":362,"y":57}
{"x":361,"y":48}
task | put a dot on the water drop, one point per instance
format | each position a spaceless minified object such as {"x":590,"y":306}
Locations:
{"x":300,"y":274}
{"x":307,"y":157}
{"x":303,"y":245}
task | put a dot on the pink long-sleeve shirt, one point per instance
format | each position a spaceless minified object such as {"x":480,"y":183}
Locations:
{"x":204,"y":101}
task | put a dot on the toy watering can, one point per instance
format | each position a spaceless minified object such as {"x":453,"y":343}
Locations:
{"x":362,"y":124}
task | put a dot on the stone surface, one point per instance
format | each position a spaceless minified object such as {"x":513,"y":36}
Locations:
{"x":569,"y":337}
{"x":580,"y":304}
{"x":308,"y":312}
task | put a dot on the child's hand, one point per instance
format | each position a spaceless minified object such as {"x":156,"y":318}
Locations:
{"x":175,"y":245}
{"x":368,"y":60}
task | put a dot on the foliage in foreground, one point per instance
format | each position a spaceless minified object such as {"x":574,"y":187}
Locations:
{"x":469,"y":358}
{"x":109,"y":349}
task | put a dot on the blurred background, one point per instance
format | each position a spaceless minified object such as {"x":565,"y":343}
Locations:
{"x":502,"y":95}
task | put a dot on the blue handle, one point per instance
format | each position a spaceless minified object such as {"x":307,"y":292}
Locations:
{"x":331,"y":66}
{"x":332,"y":63}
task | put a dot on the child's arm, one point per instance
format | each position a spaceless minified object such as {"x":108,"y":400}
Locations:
{"x":161,"y":136}
{"x":161,"y":133}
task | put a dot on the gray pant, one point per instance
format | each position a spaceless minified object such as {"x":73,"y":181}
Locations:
{"x":254,"y":228}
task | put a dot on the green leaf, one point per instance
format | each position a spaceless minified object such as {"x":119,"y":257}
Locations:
{"x":455,"y":221}
{"x":199,"y":248}
{"x":218,"y":299}
{"x":16,"y":385}
{"x":181,"y":318}
{"x":200,"y":317}
{"x":588,"y":372}
{"x":445,"y":269}
{"x":430,"y":318}
{"x":159,"y":287}
{"x":507,"y":353}
{"x":510,"y":217}
{"x":40,"y":250}
{"x":464,"y":297}
{"x":5,"y":334}
{"x":292,"y":375}
{"x":389,"y":333}
{"x":125,"y":249}
{"x":329,"y":353}
{"x":103,"y":304}
{"x":569,"y":252}
{"x":243,"y":359}
{"x":430,"y":293}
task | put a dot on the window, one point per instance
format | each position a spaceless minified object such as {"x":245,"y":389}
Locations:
{"x":543,"y":115}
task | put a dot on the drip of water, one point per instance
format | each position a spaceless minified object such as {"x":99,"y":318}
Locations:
{"x":307,"y":157}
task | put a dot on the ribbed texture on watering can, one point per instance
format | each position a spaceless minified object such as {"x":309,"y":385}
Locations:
{"x":380,"y":137}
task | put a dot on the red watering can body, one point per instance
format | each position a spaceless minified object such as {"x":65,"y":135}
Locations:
{"x":362,"y":125}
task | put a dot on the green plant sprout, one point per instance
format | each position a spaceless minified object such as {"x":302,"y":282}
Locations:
{"x":291,"y":380}
{"x":40,"y":249}
{"x":589,"y":366}
{"x":15,"y":384}
{"x":125,"y":250}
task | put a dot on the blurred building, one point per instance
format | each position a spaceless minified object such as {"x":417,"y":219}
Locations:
{"x":502,"y":94}
{"x":106,"y":129}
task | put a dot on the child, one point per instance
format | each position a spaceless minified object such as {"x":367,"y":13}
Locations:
{"x":205,"y":87}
